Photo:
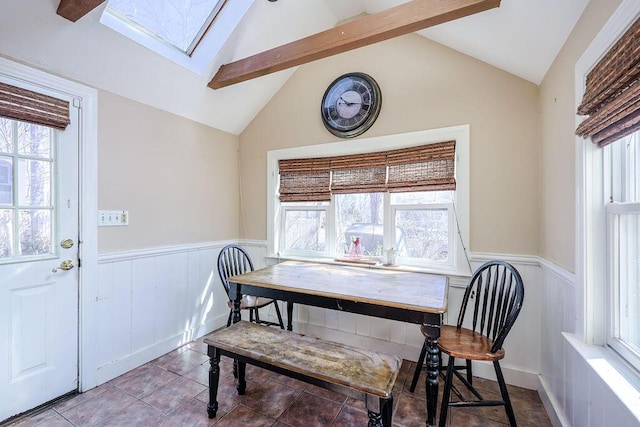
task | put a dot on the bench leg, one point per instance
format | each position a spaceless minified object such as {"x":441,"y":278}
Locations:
{"x":384,"y":416}
{"x":242,"y":384}
{"x":214,"y":377}
{"x":387,"y":410}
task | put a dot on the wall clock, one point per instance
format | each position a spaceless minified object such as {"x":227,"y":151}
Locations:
{"x":351,"y":104}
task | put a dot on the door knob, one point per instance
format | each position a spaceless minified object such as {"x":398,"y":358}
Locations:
{"x":64,"y":265}
{"x":66,"y":243}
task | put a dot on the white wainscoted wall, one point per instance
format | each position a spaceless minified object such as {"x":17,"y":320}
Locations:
{"x":152,"y":301}
{"x":581,"y":385}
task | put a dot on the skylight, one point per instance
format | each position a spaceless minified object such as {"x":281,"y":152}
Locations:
{"x":180,"y":23}
{"x":189,"y":32}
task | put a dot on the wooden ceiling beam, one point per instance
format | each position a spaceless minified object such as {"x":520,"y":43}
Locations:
{"x":76,"y":9}
{"x":406,"y":18}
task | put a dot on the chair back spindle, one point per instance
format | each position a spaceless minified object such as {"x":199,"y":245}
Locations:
{"x":232,"y":261}
{"x":497,"y":292}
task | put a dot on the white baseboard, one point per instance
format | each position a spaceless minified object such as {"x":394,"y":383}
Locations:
{"x":551,"y":405}
{"x":116,"y":368}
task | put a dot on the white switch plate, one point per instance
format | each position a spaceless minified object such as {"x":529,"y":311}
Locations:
{"x":112,"y":218}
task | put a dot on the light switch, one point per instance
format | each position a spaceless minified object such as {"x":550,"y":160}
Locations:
{"x":112,"y":218}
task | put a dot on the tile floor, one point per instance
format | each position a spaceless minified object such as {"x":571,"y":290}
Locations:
{"x":172,"y":391}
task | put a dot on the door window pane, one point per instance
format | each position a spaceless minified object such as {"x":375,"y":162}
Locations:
{"x":34,"y":183}
{"x":6,"y":233}
{"x":424,"y":233}
{"x":360,"y":215}
{"x":35,"y":232}
{"x":305,"y":230}
{"x":34,"y":140}
{"x":26,"y":168}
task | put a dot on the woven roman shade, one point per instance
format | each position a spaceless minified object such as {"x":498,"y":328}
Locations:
{"x":612,"y":92}
{"x":32,"y":107}
{"x":304,"y":180}
{"x":360,"y":173}
{"x":424,"y":168}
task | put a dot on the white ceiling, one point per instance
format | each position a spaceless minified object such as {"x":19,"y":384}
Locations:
{"x":521,"y":37}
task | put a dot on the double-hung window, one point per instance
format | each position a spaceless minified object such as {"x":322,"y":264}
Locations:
{"x":610,"y":170}
{"x":622,"y":168}
{"x":397,"y":197}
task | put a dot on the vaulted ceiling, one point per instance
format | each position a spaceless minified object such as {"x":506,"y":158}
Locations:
{"x":521,"y":37}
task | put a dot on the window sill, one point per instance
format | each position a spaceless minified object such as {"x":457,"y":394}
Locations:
{"x":622,"y":380}
{"x":456,"y":279}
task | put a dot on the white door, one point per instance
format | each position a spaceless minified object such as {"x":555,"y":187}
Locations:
{"x":38,"y":233}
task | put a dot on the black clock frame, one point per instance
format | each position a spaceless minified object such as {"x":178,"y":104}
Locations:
{"x":329,"y":112}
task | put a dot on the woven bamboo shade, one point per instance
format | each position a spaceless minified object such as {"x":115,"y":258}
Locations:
{"x":32,"y":107}
{"x":305,"y":180}
{"x":612,"y":93}
{"x":360,"y":173}
{"x":425,"y":168}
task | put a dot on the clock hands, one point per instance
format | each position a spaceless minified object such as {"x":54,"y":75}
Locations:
{"x":347,"y":103}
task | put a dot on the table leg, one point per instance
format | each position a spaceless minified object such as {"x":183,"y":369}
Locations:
{"x":236,"y":319}
{"x":236,"y":309}
{"x":214,"y":377}
{"x":289,"y":315}
{"x":433,"y":370}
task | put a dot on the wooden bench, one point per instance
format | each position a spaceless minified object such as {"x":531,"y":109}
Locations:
{"x":355,"y":372}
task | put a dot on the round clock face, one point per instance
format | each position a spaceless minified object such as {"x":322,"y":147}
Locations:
{"x":351,"y":104}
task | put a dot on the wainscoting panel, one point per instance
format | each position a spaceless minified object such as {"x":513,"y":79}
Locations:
{"x":153,"y":301}
{"x":557,"y":315}
{"x":580,"y":384}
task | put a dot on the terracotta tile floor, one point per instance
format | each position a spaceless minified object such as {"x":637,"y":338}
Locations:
{"x":172,"y":391}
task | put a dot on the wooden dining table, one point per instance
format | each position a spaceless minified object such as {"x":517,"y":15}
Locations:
{"x":405,"y":296}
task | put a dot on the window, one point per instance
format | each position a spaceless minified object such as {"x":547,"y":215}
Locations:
{"x":180,"y":24}
{"x":622,"y":168}
{"x":428,"y":229}
{"x":26,"y":207}
{"x":607,"y":260}
{"x":189,"y":33}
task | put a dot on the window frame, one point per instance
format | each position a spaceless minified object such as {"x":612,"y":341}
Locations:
{"x":321,"y":207}
{"x":209,"y":45}
{"x":593,"y":322}
{"x":16,"y":206}
{"x":411,"y":261}
{"x":460,"y":134}
{"x":615,"y":190}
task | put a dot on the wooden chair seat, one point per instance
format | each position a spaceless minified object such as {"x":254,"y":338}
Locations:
{"x":466,"y":344}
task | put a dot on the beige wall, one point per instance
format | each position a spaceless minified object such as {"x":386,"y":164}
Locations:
{"x":424,"y":85}
{"x":177,"y":178}
{"x":558,"y":106}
